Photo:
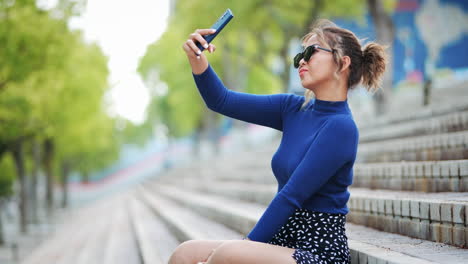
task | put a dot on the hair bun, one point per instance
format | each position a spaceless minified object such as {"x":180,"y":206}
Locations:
{"x":373,"y":65}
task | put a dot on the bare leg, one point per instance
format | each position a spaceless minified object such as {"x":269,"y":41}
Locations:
{"x":251,"y":252}
{"x":194,"y":251}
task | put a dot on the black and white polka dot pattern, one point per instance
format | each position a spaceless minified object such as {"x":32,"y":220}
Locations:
{"x":319,"y":238}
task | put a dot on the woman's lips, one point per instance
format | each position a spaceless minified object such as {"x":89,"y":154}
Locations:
{"x":302,"y":71}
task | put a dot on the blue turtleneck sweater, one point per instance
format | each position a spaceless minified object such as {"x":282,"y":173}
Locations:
{"x":314,"y":162}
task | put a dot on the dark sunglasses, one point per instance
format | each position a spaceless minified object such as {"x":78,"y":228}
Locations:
{"x":307,"y":53}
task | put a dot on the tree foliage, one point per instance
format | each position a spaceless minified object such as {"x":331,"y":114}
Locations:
{"x":252,"y":42}
{"x":52,"y":87}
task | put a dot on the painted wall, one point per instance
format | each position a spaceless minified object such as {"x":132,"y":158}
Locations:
{"x":431,"y":40}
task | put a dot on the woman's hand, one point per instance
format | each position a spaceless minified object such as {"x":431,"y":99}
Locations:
{"x":197,"y":59}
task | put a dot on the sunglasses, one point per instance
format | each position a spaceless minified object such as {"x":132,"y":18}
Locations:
{"x":307,"y":53}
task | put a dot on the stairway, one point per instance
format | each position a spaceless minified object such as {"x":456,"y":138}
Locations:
{"x":408,"y":204}
{"x":409,"y":196}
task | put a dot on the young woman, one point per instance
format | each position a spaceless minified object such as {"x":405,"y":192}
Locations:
{"x":305,"y":222}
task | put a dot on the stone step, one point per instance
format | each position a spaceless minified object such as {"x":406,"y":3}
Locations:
{"x":395,"y":117}
{"x":122,"y":246}
{"x":451,"y":122}
{"x":183,"y":223}
{"x":439,"y":217}
{"x":97,"y":240}
{"x":56,"y":246}
{"x":367,"y":245}
{"x":422,"y":176}
{"x":69,"y":249}
{"x":252,"y":160}
{"x":155,"y":242}
{"x":448,"y":146}
{"x":261,"y":174}
{"x":82,"y":247}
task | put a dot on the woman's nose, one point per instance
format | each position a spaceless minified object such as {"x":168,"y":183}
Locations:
{"x":302,"y":62}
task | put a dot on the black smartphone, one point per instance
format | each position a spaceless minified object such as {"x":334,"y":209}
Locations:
{"x":218,"y":25}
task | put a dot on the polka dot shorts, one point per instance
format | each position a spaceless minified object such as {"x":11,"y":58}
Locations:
{"x":319,"y":238}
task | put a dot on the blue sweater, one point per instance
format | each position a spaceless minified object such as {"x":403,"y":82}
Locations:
{"x":314,"y":161}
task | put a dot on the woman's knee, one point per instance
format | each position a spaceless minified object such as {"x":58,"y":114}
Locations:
{"x":182,"y":253}
{"x":191,"y":251}
{"x":225,"y":252}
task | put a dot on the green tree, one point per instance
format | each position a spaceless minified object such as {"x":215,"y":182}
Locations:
{"x":52,"y":87}
{"x":258,"y":36}
{"x":7,"y":176}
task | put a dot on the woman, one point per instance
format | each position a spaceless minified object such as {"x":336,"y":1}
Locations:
{"x":305,"y":222}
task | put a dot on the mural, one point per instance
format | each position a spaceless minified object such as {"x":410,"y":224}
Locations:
{"x":431,"y":41}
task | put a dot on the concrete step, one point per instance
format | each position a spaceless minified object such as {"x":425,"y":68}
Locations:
{"x":98,"y":238}
{"x":422,"y":176}
{"x":395,"y":117}
{"x":252,"y":160}
{"x":447,"y":146}
{"x":53,"y":251}
{"x":155,"y":242}
{"x":263,"y":174}
{"x":122,"y":246}
{"x":367,"y":245}
{"x":439,"y":217}
{"x":67,"y":235}
{"x":450,"y":122}
{"x":82,"y":247}
{"x":183,"y":223}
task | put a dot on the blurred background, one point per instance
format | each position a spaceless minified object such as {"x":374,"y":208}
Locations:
{"x":97,"y":96}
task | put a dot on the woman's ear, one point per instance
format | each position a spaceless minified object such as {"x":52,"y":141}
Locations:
{"x":346,"y":62}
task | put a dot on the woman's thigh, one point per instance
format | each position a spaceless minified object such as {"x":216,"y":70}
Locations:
{"x":251,"y":252}
{"x":193,"y":251}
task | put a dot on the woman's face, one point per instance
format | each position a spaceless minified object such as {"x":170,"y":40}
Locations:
{"x":319,"y":69}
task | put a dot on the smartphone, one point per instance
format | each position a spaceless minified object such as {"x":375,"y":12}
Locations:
{"x":218,"y":25}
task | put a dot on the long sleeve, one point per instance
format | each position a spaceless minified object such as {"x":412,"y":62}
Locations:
{"x":334,"y":146}
{"x":265,"y":110}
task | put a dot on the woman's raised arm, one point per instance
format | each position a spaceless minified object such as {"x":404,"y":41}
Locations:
{"x":266,"y":110}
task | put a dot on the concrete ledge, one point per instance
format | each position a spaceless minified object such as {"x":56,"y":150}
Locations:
{"x":439,"y":218}
{"x":451,"y":122}
{"x":398,"y":117}
{"x":79,"y":224}
{"x":367,"y":245}
{"x":185,"y":224}
{"x":122,"y":242}
{"x":406,"y":213}
{"x":367,"y":253}
{"x":448,"y":146}
{"x":422,"y":176}
{"x":155,"y":242}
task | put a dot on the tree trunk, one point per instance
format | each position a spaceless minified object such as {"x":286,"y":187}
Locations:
{"x":2,"y":235}
{"x":33,"y":195}
{"x":65,"y":173}
{"x":48,"y":157}
{"x":385,"y":31}
{"x":17,"y":151}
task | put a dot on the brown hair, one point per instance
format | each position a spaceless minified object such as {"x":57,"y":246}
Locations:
{"x":367,"y":63}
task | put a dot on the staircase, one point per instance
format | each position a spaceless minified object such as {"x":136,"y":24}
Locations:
{"x":408,"y":204}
